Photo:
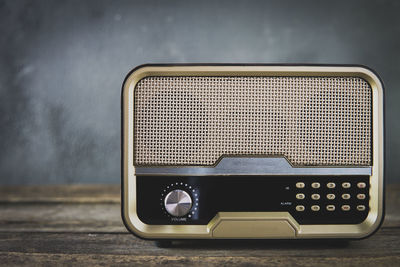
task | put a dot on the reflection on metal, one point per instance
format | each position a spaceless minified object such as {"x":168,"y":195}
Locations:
{"x":178,"y":203}
{"x":253,"y":166}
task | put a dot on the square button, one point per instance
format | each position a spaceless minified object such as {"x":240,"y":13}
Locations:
{"x":345,"y":207}
{"x":331,"y":185}
{"x":346,"y":196}
{"x":360,"y":207}
{"x":346,"y":185}
{"x":315,"y":185}
{"x":315,"y":196}
{"x":315,"y":208}
{"x":300,"y":196}
{"x":361,"y":196}
{"x":361,"y":185}
{"x":330,"y":196}
{"x":330,"y":208}
{"x":300,"y":208}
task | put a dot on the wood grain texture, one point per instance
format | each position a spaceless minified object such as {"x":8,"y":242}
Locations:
{"x":71,"y":225}
{"x":60,"y":194}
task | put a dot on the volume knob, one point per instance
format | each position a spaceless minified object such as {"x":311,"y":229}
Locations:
{"x":178,"y":203}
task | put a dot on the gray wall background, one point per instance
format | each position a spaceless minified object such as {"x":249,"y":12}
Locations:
{"x":62,"y":64}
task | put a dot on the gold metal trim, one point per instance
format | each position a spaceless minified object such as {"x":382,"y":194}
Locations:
{"x":282,"y":221}
{"x":253,"y":225}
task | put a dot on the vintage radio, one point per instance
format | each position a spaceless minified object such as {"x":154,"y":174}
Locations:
{"x":252,"y":151}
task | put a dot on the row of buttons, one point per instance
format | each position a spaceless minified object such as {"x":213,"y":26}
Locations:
{"x":331,"y":185}
{"x":330,"y":208}
{"x":329,"y":196}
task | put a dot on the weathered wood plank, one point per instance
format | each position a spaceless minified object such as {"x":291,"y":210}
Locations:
{"x":57,"y":217}
{"x":40,"y":259}
{"x":60,"y":194}
{"x":124,"y":249}
{"x":386,"y":242}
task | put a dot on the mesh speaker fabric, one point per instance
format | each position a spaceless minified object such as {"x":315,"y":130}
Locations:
{"x":312,"y":121}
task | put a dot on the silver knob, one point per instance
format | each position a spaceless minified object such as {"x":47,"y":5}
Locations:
{"x":178,"y":203}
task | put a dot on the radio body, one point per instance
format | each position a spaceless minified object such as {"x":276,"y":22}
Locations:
{"x":252,"y":151}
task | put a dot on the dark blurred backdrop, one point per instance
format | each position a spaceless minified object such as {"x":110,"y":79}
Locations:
{"x":62,"y":64}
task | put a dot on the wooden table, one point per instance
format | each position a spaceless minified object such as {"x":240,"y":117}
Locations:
{"x":81,"y":225}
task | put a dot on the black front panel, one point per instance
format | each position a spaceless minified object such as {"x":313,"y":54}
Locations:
{"x":310,"y":200}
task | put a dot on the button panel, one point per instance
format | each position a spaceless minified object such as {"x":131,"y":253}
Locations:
{"x":333,"y":198}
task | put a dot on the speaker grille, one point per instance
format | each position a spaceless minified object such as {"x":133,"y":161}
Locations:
{"x":312,"y":121}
